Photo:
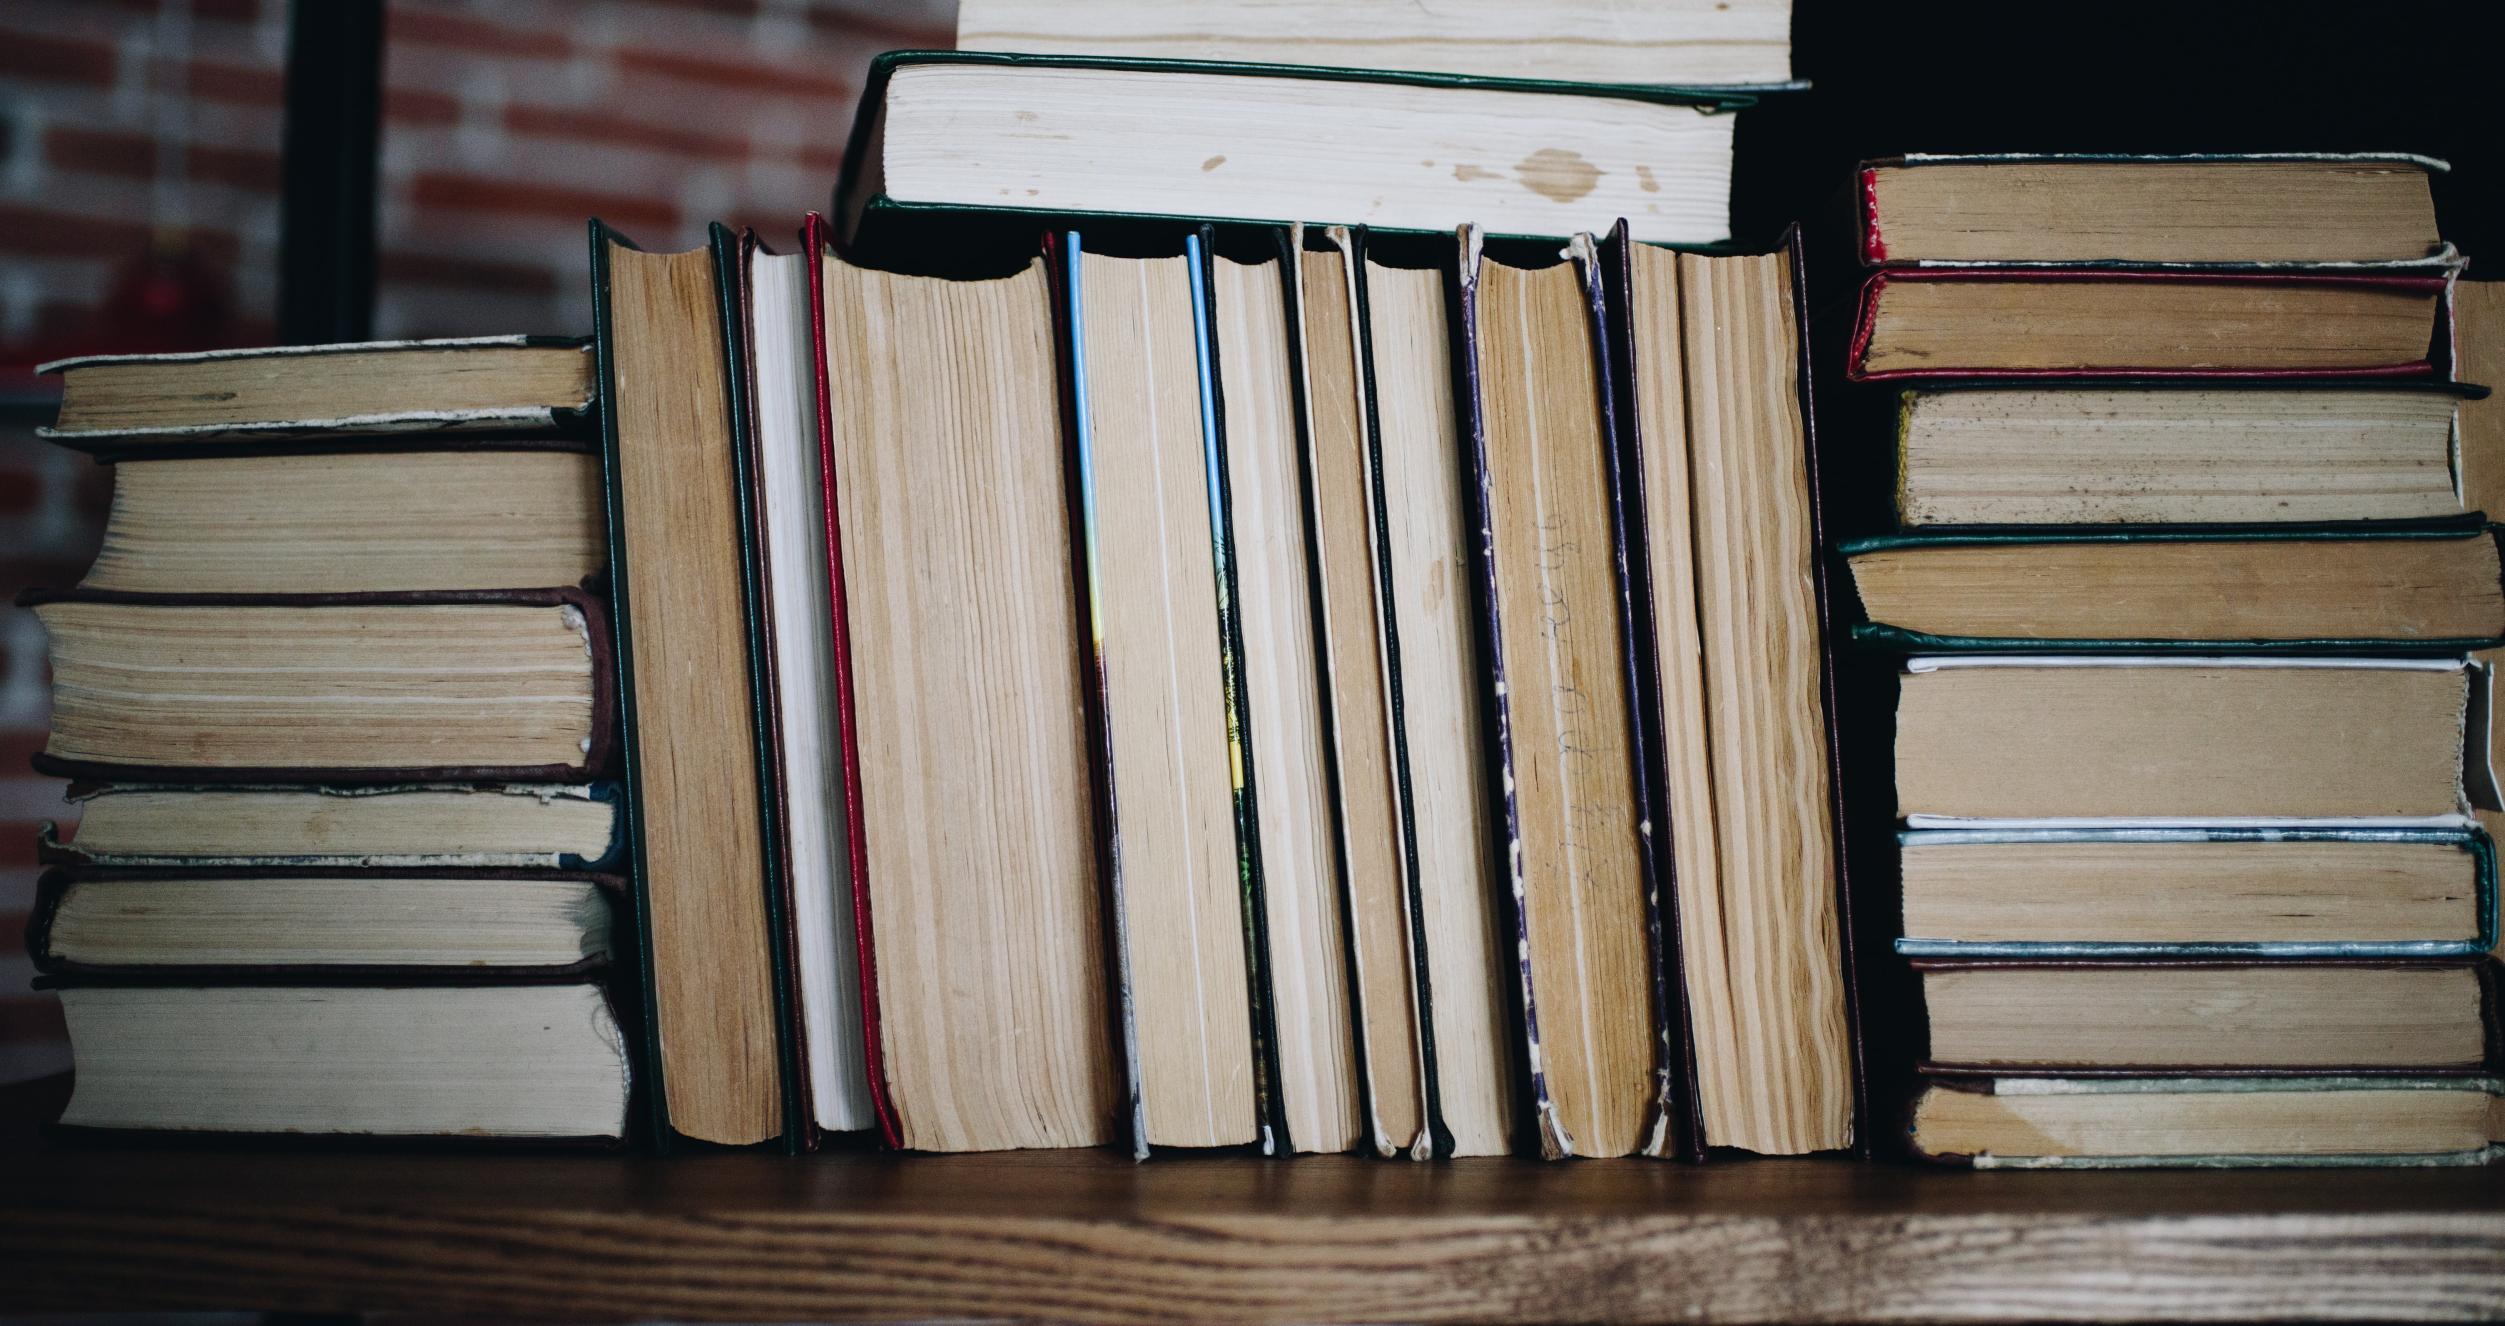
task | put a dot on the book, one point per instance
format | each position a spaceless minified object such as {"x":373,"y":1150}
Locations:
{"x":2322,"y":590}
{"x":977,"y":885}
{"x":781,"y":443}
{"x":2178,"y":737}
{"x":1143,"y":420}
{"x":2261,"y":209}
{"x":1729,"y":608}
{"x":688,"y":697}
{"x":1553,"y":601}
{"x":472,"y":518}
{"x":1377,"y":835}
{"x":2312,"y":1017}
{"x":1285,"y":749}
{"x":2028,"y":1122}
{"x":543,"y":826}
{"x":541,"y":1062}
{"x":1691,"y":42}
{"x":2145,"y":893}
{"x":2067,"y":322}
{"x":298,"y":921}
{"x":494,"y":686}
{"x":490,"y":384}
{"x":1212,"y":140}
{"x":2182,"y":453}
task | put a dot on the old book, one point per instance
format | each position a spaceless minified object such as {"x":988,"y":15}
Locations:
{"x":2180,"y":737}
{"x":2209,"y":1122}
{"x":1284,"y":738}
{"x":1946,"y":322}
{"x":1218,"y":141}
{"x":1142,"y":404}
{"x":1377,"y":837}
{"x":543,"y":826}
{"x":1689,"y":42}
{"x":2278,"y":1016}
{"x":2242,"y":210}
{"x":1712,"y":405}
{"x":2190,"y":454}
{"x":540,"y":1062}
{"x":687,"y":694}
{"x":1468,"y":967}
{"x":1553,"y":599}
{"x":477,"y":518}
{"x":366,"y":688}
{"x":2324,"y":590}
{"x":2143,"y":892}
{"x":374,"y":923}
{"x":119,"y":403}
{"x":977,"y":876}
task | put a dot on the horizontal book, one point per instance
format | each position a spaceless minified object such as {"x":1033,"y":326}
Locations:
{"x":2131,"y":892}
{"x":2279,"y":208}
{"x":2010,"y":321}
{"x":2180,"y":737}
{"x":2209,"y":1122}
{"x":483,"y":686}
{"x":482,"y":384}
{"x":2322,"y":590}
{"x":2183,"y":452}
{"x":541,"y":826}
{"x":533,"y":1062}
{"x":2217,"y":1018}
{"x":477,"y":518}
{"x":1218,"y":141}
{"x":1689,"y":42}
{"x":371,"y":924}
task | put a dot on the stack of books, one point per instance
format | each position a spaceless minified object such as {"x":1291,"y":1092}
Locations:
{"x":2187,"y":586}
{"x":335,"y":693}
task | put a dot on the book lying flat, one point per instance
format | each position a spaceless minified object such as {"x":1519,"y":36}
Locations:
{"x":119,"y":403}
{"x":541,"y":826}
{"x":1688,"y":42}
{"x":2267,"y":209}
{"x":2218,"y":892}
{"x":489,"y":686}
{"x":1932,"y":322}
{"x":2032,"y":1122}
{"x":2177,"y":452}
{"x":1202,"y":140}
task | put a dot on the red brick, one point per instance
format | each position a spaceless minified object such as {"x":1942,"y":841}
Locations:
{"x":243,"y":167}
{"x":231,"y":11}
{"x":18,"y":748}
{"x":13,"y":924}
{"x":605,"y":127}
{"x":897,"y":34}
{"x":827,"y":159}
{"x":735,"y":8}
{"x":744,"y":76}
{"x":20,"y":490}
{"x":426,"y":27}
{"x":100,"y":151}
{"x":31,"y":1019}
{"x":432,"y":269}
{"x":236,"y":84}
{"x":46,"y":59}
{"x":417,"y":105}
{"x":478,"y":193}
{"x":34,"y":231}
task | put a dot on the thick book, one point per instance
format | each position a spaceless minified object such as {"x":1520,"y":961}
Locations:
{"x":2252,"y":210}
{"x":540,"y":826}
{"x":122,"y":404}
{"x":965,"y":710}
{"x":1688,"y":42}
{"x":362,"y":688}
{"x":2159,"y":1122}
{"x":1923,"y":323}
{"x":285,"y":922}
{"x":2426,"y":588}
{"x":2132,"y":892}
{"x":1106,"y":136}
{"x":679,"y":525}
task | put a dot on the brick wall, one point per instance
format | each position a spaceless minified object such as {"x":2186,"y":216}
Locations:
{"x":505,"y":125}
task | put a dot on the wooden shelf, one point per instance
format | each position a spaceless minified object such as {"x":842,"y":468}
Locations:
{"x":1091,"y":1236}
